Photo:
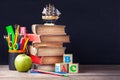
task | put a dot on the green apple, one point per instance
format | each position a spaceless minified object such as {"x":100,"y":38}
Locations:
{"x":23,"y":63}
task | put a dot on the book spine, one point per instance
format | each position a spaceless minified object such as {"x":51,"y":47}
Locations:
{"x":46,"y":59}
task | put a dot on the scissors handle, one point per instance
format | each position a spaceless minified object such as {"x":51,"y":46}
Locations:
{"x":15,"y":46}
{"x":10,"y":45}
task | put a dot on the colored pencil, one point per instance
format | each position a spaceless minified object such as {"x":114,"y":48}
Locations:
{"x":51,"y":73}
{"x":25,"y":44}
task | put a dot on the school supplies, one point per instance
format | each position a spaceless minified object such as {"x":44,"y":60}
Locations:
{"x":17,"y":40}
{"x":10,"y":31}
{"x":51,"y":73}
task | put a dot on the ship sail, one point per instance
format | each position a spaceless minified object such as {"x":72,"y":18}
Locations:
{"x":44,"y":11}
{"x":58,"y":12}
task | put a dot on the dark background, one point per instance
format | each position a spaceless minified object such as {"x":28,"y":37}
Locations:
{"x":93,"y":26}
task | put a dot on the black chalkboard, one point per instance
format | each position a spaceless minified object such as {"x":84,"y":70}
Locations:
{"x":93,"y":26}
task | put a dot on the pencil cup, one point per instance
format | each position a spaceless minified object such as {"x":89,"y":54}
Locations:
{"x":12,"y":55}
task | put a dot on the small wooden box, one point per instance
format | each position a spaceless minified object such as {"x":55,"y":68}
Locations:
{"x":74,"y":68}
{"x":61,"y":67}
{"x":68,"y":58}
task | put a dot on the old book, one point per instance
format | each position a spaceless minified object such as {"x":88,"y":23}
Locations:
{"x":60,"y":38}
{"x":48,"y":38}
{"x":46,"y":59}
{"x":33,"y":37}
{"x":47,"y":51}
{"x":48,"y":29}
{"x":47,"y":44}
{"x":47,"y":67}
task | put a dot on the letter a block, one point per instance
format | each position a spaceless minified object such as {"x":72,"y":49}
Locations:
{"x":67,"y":58}
{"x":61,"y":67}
{"x":73,"y":68}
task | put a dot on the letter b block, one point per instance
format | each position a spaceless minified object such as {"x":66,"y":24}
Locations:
{"x":73,"y":68}
{"x":67,"y":58}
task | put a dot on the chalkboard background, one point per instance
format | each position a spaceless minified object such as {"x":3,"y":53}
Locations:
{"x":93,"y":26}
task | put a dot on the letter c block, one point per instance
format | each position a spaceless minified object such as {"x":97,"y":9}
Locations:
{"x":73,"y":68}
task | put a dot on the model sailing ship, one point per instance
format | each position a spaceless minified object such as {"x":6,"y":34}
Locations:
{"x":50,"y":14}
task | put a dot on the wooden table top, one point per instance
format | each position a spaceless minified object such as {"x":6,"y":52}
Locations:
{"x":86,"y":72}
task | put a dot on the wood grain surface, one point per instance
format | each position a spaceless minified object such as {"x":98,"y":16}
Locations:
{"x":86,"y":72}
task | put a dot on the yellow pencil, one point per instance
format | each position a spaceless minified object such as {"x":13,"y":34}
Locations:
{"x":25,"y":44}
{"x":16,"y":33}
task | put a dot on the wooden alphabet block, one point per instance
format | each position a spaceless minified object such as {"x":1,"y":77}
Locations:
{"x":61,"y":67}
{"x":74,"y":68}
{"x":68,"y":58}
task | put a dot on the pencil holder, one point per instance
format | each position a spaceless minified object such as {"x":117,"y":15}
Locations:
{"x":12,"y":55}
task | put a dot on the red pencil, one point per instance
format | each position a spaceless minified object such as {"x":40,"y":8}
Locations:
{"x":51,"y":73}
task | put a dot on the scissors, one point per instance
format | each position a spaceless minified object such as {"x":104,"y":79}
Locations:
{"x":15,"y":45}
{"x":10,"y":45}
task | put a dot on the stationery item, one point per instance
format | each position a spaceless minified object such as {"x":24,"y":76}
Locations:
{"x":22,"y":43}
{"x":15,"y":45}
{"x":9,"y":42}
{"x":19,"y":38}
{"x":12,"y":55}
{"x":25,"y":44}
{"x":10,"y":31}
{"x":51,"y":73}
{"x":33,"y":71}
{"x":23,"y":30}
{"x":16,"y":51}
{"x":5,"y":37}
{"x":17,"y":33}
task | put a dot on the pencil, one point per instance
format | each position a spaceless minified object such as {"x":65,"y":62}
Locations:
{"x":16,"y":33}
{"x":51,"y":73}
{"x":25,"y":44}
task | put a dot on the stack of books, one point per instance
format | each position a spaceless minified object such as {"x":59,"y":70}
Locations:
{"x":49,"y":50}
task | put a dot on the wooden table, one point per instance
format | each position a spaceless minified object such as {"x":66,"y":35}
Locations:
{"x":86,"y":72}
